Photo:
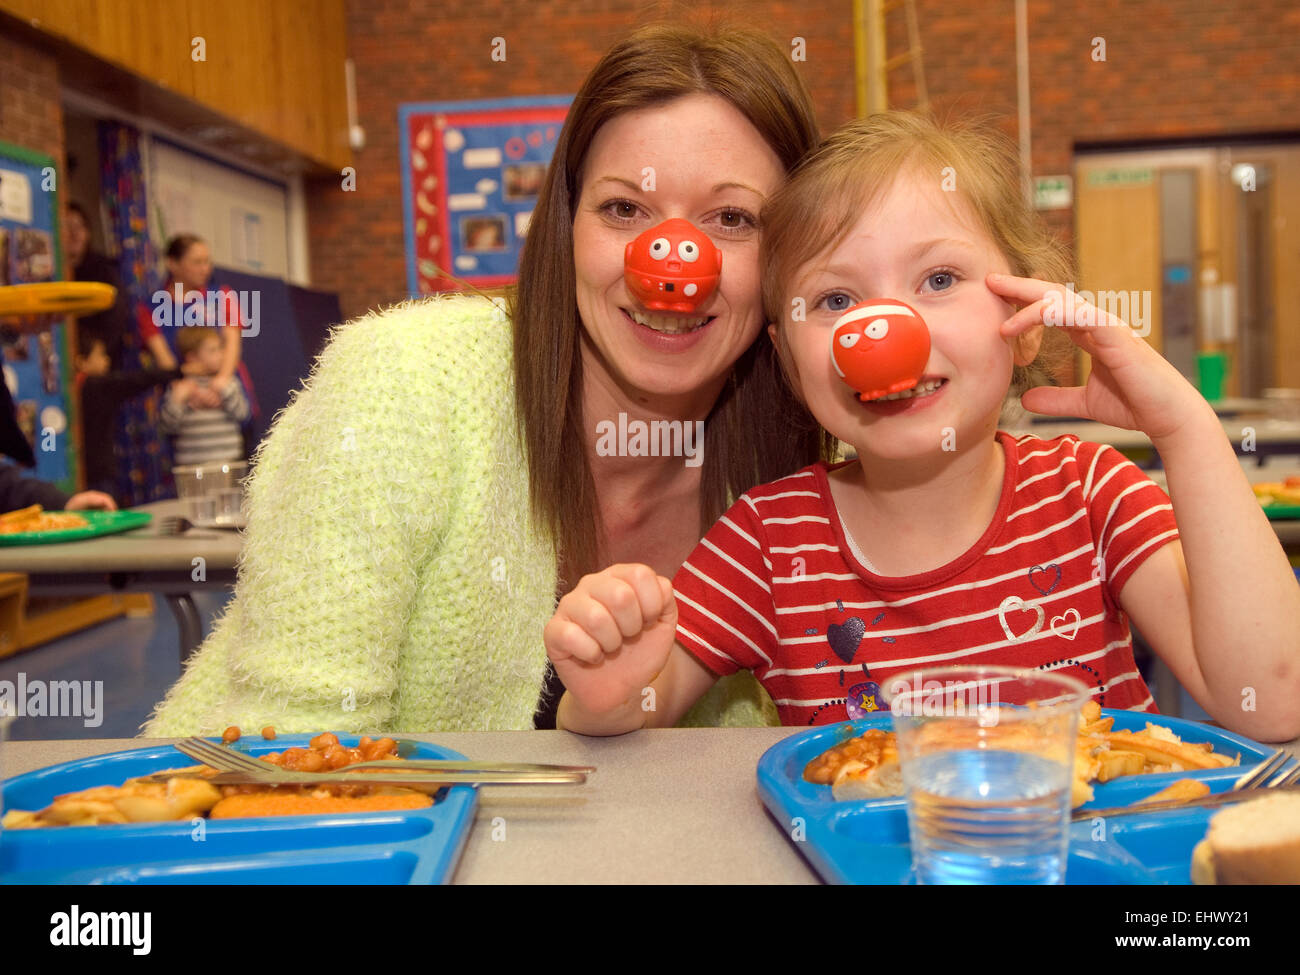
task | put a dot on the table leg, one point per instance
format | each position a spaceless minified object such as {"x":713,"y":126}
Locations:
{"x":187,"y":619}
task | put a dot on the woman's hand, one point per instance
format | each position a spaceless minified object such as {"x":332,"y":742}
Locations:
{"x":1131,"y":385}
{"x":611,"y":636}
{"x":161,"y":352}
{"x":90,"y":501}
{"x":181,"y":389}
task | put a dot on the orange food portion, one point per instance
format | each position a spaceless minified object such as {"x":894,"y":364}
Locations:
{"x":288,"y":804}
{"x":37,"y":519}
{"x":865,"y":752}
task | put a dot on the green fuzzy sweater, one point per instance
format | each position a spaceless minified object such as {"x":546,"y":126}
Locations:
{"x":392,"y":579}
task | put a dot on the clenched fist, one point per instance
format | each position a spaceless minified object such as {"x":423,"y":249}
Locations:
{"x":611,"y":636}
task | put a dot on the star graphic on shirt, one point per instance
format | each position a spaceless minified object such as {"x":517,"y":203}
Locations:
{"x":869,"y":702}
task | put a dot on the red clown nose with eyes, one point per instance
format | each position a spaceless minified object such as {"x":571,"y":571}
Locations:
{"x":880,"y":347}
{"x":672,"y":267}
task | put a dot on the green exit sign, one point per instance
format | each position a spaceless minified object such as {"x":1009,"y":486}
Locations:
{"x":1053,"y":192}
{"x":1130,"y":176}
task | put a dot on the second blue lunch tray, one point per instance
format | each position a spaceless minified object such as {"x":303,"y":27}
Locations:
{"x":866,"y":841}
{"x":414,"y":846}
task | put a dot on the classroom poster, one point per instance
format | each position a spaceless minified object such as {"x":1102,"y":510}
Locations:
{"x":36,"y":366}
{"x":471,"y":172}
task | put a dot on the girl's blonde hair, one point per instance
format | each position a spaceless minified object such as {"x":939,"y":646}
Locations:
{"x":826,"y":195}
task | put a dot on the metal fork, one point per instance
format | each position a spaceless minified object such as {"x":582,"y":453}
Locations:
{"x":173,"y":525}
{"x":1258,"y":777}
{"x":226,"y":759}
{"x":1288,"y":778}
{"x":229,"y":760}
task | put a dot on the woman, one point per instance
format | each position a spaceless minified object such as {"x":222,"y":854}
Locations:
{"x":189,"y":266}
{"x":88,"y":264}
{"x":421,"y":505}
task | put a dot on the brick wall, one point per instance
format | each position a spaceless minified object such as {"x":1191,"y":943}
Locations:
{"x":31,"y":114}
{"x":1173,"y":69}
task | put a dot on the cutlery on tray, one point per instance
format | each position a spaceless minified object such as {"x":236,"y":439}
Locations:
{"x":240,"y":768}
{"x":1264,"y":778}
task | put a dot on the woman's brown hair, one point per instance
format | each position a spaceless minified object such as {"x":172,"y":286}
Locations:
{"x":757,"y":431}
{"x":180,"y":245}
{"x":808,"y":217}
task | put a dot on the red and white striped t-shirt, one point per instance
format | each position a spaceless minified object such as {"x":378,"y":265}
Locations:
{"x":775,"y":586}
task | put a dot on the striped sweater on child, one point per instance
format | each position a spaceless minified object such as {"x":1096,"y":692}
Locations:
{"x":203,"y":435}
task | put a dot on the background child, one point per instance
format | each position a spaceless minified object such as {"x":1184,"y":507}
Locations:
{"x":947,"y":541}
{"x":102,"y":392}
{"x":205,"y":424}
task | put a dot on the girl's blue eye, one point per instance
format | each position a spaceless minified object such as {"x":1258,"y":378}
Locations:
{"x":940,"y":280}
{"x":837,"y":301}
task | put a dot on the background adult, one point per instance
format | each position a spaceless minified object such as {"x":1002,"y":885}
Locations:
{"x":189,"y":266}
{"x":87,"y":264}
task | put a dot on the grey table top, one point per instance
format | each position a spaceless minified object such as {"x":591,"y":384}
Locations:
{"x":140,"y":550}
{"x":671,"y":806}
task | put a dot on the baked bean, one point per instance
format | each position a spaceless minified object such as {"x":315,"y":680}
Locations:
{"x":312,"y":761}
{"x":324,"y":740}
{"x":336,"y":756}
{"x":377,"y":750}
{"x":230,"y":735}
{"x":268,"y":733}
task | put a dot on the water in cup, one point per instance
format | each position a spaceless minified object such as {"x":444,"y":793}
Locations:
{"x":229,"y":505}
{"x":988,"y":816}
{"x":201,"y":510}
{"x":987,"y":756}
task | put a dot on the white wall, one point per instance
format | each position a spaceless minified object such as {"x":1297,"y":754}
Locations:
{"x":243,"y":218}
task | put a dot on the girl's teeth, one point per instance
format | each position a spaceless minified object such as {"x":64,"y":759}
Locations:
{"x":672,"y":324}
{"x":920,"y":389}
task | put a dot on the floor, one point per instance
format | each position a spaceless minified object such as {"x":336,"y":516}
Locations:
{"x":137,"y":660}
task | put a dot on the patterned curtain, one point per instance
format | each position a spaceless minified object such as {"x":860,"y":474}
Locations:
{"x":144,"y":456}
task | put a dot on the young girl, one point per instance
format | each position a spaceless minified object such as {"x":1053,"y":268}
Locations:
{"x":947,"y":541}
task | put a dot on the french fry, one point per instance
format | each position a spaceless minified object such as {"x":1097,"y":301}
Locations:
{"x":1080,"y":792}
{"x":1118,"y":763}
{"x":1160,"y":752}
{"x":1180,"y":791}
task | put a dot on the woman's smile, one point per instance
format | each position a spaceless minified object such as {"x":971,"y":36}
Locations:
{"x":717,"y":181}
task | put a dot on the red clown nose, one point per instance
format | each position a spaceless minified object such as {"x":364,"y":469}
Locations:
{"x":880,"y":347}
{"x":672,"y":267}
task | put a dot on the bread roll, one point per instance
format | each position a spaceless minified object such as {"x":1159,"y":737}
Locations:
{"x":1254,"y":842}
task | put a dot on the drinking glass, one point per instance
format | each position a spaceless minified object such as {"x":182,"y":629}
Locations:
{"x":987,"y":757}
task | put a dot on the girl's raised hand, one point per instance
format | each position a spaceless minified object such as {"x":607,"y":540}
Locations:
{"x":1130,"y":384}
{"x":611,"y":636}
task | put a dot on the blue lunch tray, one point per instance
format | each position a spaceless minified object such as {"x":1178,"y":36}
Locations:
{"x":410,"y":846}
{"x":866,"y":842}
